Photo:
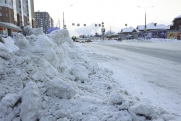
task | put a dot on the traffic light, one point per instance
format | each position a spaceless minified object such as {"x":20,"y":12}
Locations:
{"x":78,"y":24}
{"x":99,"y":25}
{"x":73,"y":24}
{"x":84,"y":24}
{"x":95,"y":25}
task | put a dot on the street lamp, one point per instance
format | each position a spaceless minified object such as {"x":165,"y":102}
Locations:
{"x":63,"y":18}
{"x":145,"y":16}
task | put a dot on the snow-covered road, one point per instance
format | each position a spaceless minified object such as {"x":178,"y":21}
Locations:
{"x":155,"y":80}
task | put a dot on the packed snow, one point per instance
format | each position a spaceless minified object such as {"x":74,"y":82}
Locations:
{"x":49,"y":78}
{"x":153,"y":26}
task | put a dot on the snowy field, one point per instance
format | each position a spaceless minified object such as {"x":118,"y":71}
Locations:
{"x":50,"y":78}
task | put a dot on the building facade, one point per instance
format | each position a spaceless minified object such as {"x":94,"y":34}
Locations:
{"x":176,"y":23}
{"x":16,"y":14}
{"x":43,"y":19}
{"x":25,"y":13}
{"x":8,"y":11}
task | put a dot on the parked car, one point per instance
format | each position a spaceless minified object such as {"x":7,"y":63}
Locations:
{"x":81,"y":40}
{"x":111,"y":37}
{"x":117,"y":38}
{"x":88,"y":40}
{"x":1,"y":40}
{"x":4,"y":36}
{"x":129,"y":37}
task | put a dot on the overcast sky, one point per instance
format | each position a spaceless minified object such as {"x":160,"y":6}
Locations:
{"x":114,"y":13}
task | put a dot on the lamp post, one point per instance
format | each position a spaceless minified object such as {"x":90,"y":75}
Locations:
{"x":63,"y":18}
{"x":145,"y":17}
{"x":110,"y":25}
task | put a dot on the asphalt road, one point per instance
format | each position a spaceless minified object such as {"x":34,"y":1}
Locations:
{"x":171,"y":55}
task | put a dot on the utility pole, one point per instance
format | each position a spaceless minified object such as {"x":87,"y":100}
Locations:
{"x":110,"y":29}
{"x":63,"y":18}
{"x":145,"y":19}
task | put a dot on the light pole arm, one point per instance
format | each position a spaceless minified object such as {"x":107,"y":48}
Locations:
{"x":145,"y":13}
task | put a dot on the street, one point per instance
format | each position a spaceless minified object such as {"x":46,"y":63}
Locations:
{"x":170,"y":55}
{"x":149,"y":71}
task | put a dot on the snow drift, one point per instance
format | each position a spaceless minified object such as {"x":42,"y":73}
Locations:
{"x":48,"y":78}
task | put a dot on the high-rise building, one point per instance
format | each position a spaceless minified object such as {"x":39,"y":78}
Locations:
{"x":25,"y":12}
{"x":43,"y":19}
{"x":16,"y":14}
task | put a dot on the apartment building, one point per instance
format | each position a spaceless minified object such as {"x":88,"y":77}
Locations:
{"x":43,"y":19}
{"x":16,"y":14}
{"x":25,"y":13}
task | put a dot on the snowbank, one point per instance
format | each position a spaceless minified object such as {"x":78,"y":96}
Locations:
{"x":30,"y":102}
{"x":50,"y":79}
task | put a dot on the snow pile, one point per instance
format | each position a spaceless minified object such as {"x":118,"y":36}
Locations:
{"x":50,"y":79}
{"x":153,"y":26}
{"x":30,"y":102}
{"x":7,"y":47}
{"x":130,"y":29}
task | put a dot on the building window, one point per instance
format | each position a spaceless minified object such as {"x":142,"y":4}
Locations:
{"x":0,"y":14}
{"x":5,"y":1}
{"x":6,"y":15}
{"x":0,"y":8}
{"x":179,"y":27}
{"x":0,"y":20}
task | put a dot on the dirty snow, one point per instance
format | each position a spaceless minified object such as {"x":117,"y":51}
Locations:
{"x":49,"y":78}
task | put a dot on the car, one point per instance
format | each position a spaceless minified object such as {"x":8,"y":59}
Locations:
{"x":4,"y":36}
{"x":81,"y":40}
{"x":88,"y":40}
{"x":117,"y":38}
{"x":129,"y":37}
{"x":76,"y":40}
{"x":1,"y":40}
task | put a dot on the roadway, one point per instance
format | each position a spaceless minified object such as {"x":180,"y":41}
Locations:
{"x":150,"y":71}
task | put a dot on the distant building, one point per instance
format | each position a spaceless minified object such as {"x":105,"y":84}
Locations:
{"x":44,"y":20}
{"x":152,"y":26}
{"x":129,"y":30}
{"x":176,"y":23}
{"x":129,"y":33}
{"x":15,"y":14}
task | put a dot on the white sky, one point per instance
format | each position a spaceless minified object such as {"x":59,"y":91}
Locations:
{"x":114,"y":13}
